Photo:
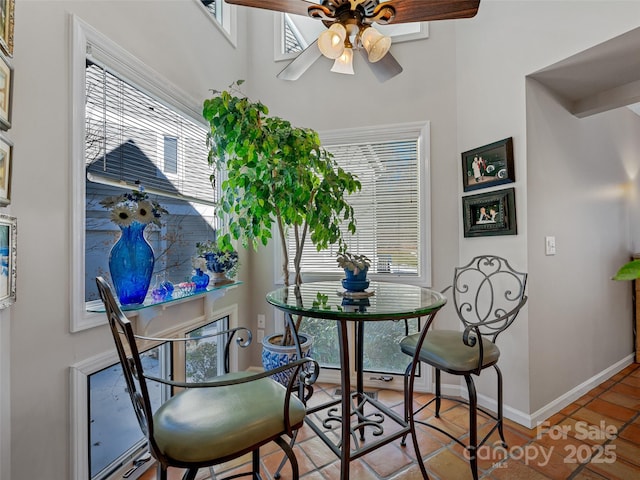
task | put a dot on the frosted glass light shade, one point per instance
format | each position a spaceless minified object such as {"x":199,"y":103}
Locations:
{"x":376,"y":44}
{"x":331,"y":41}
{"x":344,"y":63}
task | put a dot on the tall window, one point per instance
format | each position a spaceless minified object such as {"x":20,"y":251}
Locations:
{"x":391,"y":209}
{"x":114,"y":433}
{"x":392,"y":215}
{"x":135,"y":139}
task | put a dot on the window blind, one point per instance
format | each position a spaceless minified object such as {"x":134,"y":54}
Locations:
{"x":126,"y":131}
{"x":387,"y":209}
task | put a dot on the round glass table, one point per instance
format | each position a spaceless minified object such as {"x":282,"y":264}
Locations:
{"x":358,"y":411}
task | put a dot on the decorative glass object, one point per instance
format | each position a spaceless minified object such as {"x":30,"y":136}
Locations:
{"x":201,"y":279}
{"x":131,"y":263}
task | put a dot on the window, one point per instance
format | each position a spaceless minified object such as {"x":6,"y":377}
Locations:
{"x":223,"y":16}
{"x":393,"y":222}
{"x":114,"y":434}
{"x":391,"y":209}
{"x":170,"y":154}
{"x":123,"y":127}
{"x":201,"y":356}
{"x":132,"y":127}
{"x":114,"y":437}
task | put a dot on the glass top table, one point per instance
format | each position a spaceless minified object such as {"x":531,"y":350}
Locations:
{"x":355,"y":411}
{"x":381,"y":301}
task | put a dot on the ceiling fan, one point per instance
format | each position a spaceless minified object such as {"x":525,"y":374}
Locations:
{"x":349,"y":27}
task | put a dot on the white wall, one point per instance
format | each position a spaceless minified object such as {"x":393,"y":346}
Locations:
{"x":178,"y":40}
{"x":468,"y":79}
{"x":578,"y":183}
{"x":496,"y":50}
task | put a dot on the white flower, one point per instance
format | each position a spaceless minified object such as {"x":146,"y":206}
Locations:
{"x":144,"y":213}
{"x":122,"y":215}
{"x":199,"y":263}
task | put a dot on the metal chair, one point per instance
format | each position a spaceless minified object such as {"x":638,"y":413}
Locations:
{"x":206,"y":424}
{"x":488,"y":295}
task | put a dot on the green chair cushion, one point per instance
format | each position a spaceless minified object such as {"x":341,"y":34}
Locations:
{"x":203,"y":424}
{"x":445,"y":350}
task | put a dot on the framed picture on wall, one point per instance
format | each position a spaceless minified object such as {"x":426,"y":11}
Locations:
{"x":8,"y":249}
{"x":6,"y":93}
{"x":7,"y":7}
{"x":6,"y":160}
{"x":488,"y":166}
{"x":492,"y":213}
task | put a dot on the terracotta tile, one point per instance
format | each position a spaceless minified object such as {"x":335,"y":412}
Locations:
{"x":527,"y":432}
{"x":584,"y":399}
{"x":624,"y":450}
{"x":597,"y":420}
{"x":391,"y":397}
{"x":633,"y":381}
{"x":387,"y":460}
{"x":515,"y":470}
{"x":318,"y":451}
{"x":272,"y":462}
{"x":612,"y":410}
{"x":550,"y":462}
{"x":622,"y":400}
{"x":618,"y":470}
{"x":625,"y":389}
{"x":587,"y":474}
{"x":632,"y":434}
{"x":594,"y":392}
{"x":446,"y":464}
{"x":569,"y":409}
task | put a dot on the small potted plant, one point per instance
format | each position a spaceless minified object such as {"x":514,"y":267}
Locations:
{"x":221,"y":261}
{"x":355,"y":270}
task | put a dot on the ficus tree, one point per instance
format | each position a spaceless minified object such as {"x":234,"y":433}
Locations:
{"x":275,"y":173}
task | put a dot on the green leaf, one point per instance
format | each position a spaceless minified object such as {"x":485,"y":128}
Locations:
{"x":629,"y":271}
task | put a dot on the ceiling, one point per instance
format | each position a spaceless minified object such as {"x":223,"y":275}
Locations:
{"x":598,"y":79}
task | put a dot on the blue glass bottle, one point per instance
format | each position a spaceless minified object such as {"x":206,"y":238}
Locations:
{"x":131,"y":263}
{"x":201,"y":279}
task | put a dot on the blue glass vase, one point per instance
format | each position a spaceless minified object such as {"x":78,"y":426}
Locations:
{"x":201,"y":279}
{"x":131,"y":263}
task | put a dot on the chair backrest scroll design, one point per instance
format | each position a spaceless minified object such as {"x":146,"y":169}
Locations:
{"x":488,"y":294}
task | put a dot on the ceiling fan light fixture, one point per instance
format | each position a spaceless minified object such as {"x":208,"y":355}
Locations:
{"x":331,"y":41}
{"x":376,"y":44}
{"x":344,"y":63}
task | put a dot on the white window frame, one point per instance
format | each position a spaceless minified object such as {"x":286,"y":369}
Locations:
{"x":415,"y":130}
{"x":79,"y":404}
{"x":229,"y":26}
{"x":85,"y":42}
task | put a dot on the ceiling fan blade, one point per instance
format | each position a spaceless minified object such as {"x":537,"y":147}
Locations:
{"x":298,"y":7}
{"x":427,"y":10}
{"x":301,"y":63}
{"x":385,"y":68}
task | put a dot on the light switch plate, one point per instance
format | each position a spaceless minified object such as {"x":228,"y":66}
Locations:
{"x":550,"y":245}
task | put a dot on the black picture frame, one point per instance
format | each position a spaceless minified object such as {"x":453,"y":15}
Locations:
{"x":494,"y":165}
{"x":490,"y":214}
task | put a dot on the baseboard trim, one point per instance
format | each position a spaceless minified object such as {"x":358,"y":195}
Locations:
{"x":534,"y":419}
{"x":575,"y":393}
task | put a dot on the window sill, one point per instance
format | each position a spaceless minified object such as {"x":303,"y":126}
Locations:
{"x":142,"y":315}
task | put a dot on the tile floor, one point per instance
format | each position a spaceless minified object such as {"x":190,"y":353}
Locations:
{"x":596,"y":437}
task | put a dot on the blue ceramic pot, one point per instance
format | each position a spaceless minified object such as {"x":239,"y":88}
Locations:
{"x":355,"y":283}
